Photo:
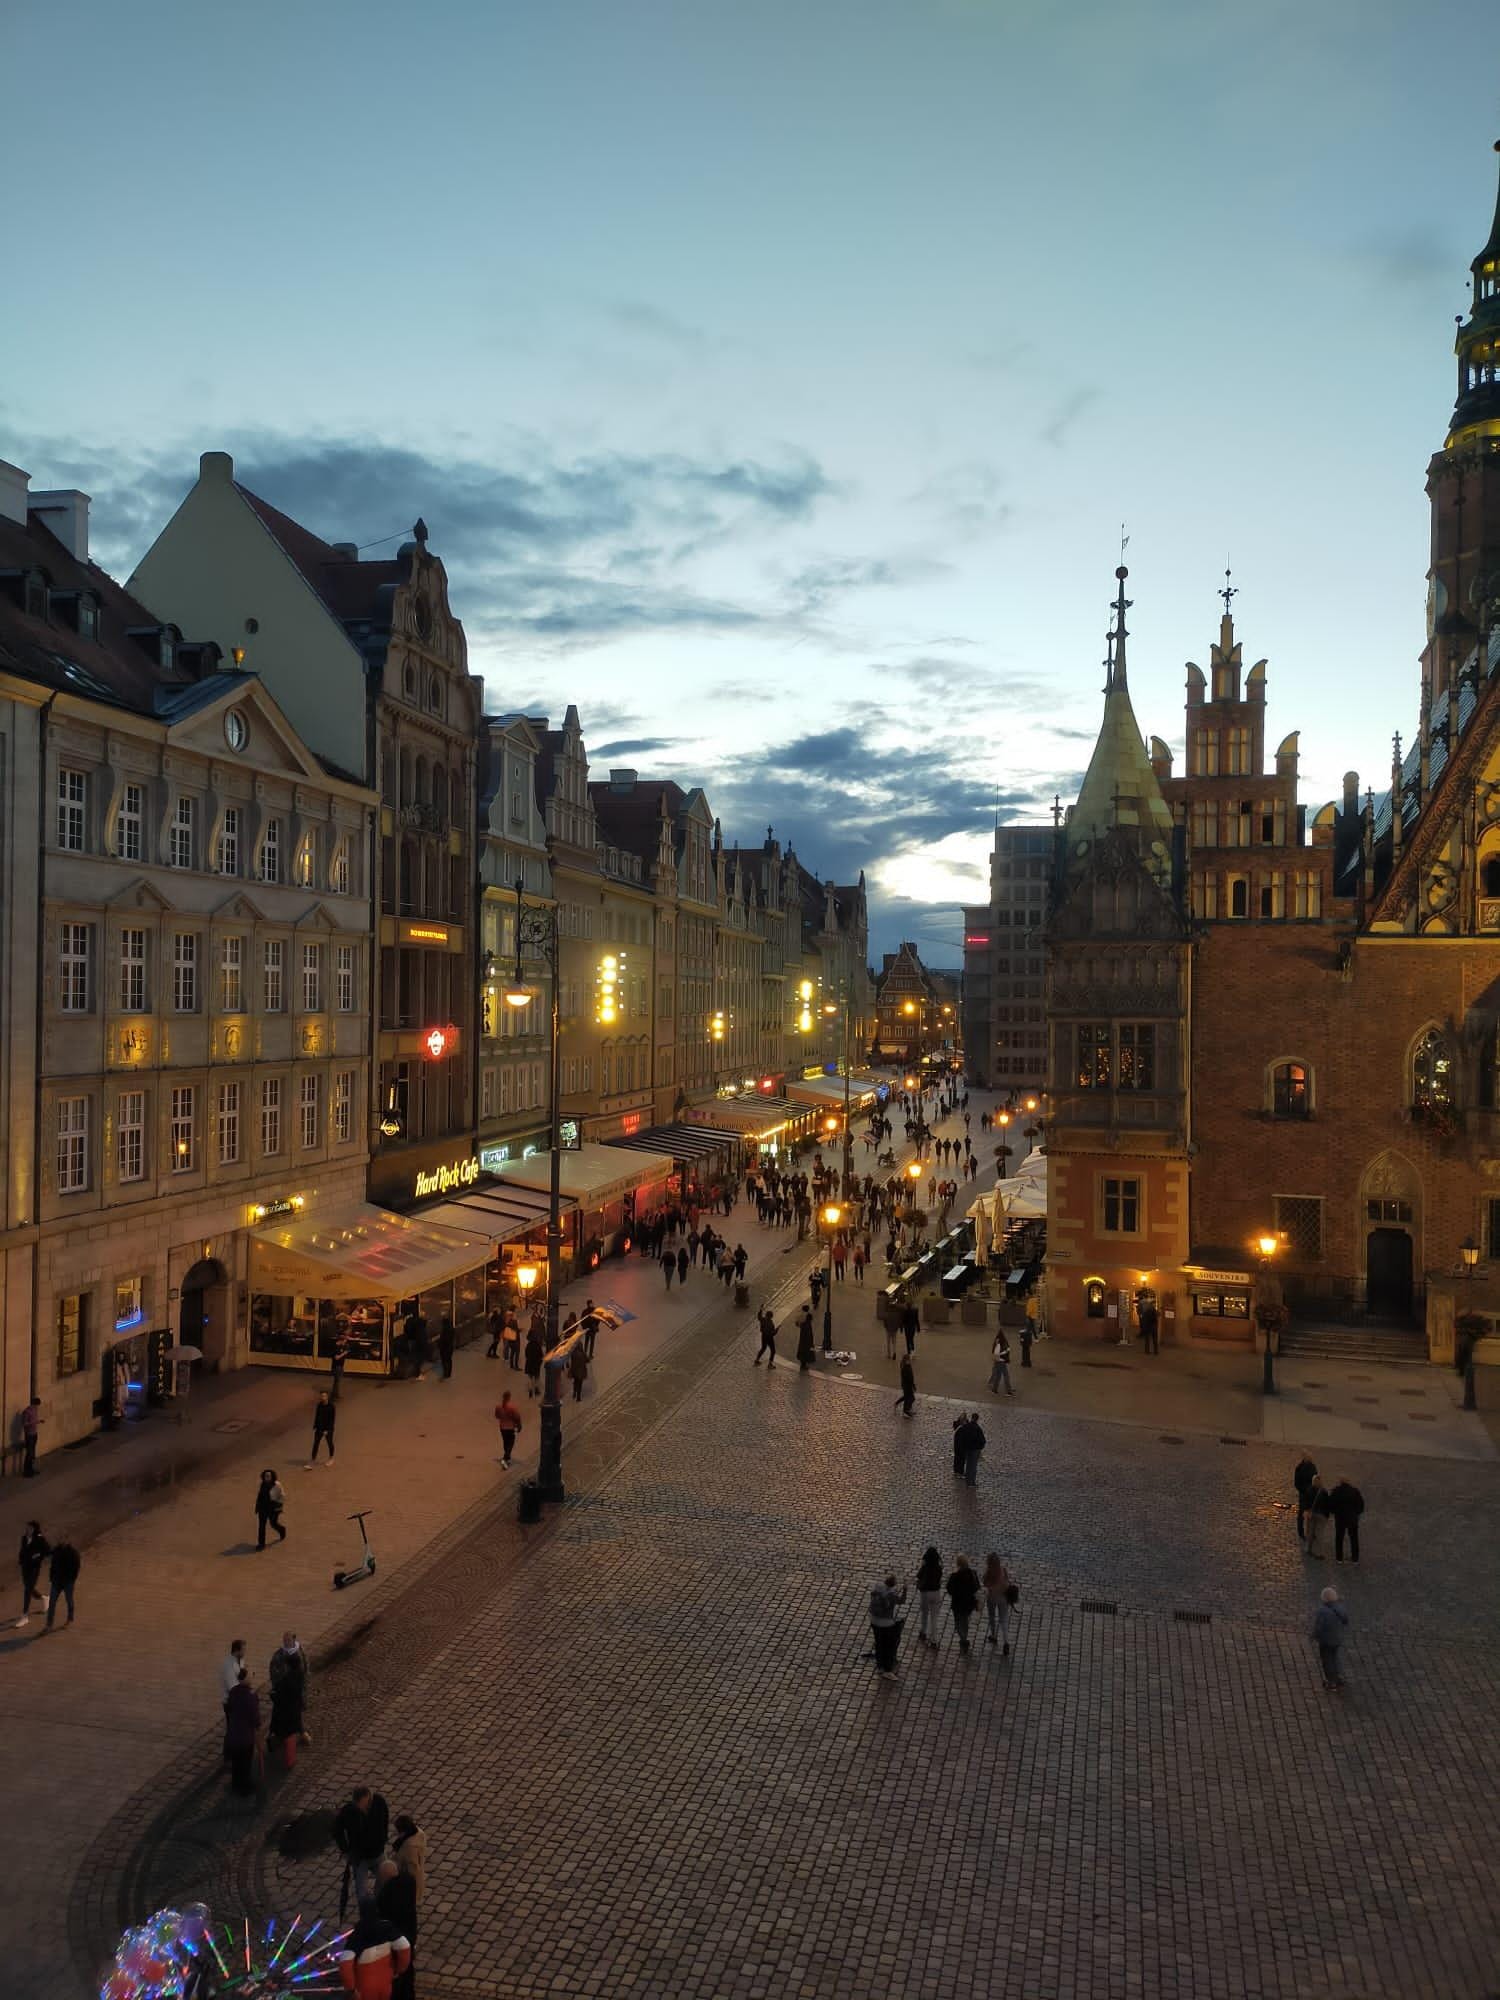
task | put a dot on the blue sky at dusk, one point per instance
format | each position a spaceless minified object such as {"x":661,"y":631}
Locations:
{"x":775,"y":380}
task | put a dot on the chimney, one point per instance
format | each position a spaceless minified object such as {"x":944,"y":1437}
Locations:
{"x":13,"y":485}
{"x":66,"y":513}
{"x":348,"y":550}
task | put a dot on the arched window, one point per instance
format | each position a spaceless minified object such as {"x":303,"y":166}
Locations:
{"x":1291,"y":1096}
{"x":1239,"y":896}
{"x":1432,"y":1073}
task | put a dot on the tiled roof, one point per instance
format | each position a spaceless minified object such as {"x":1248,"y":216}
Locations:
{"x":351,"y":589}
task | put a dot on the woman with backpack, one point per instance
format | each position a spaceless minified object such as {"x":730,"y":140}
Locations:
{"x":269,"y":1501}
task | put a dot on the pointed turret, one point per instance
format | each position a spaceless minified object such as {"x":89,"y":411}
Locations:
{"x":1477,"y":411}
{"x":1119,"y":789}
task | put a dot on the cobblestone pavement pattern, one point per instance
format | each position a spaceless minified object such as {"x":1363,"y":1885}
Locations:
{"x":651,"y":1760}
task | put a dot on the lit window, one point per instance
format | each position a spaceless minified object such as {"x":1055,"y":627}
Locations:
{"x":1432,"y":1075}
{"x":1289,"y":1092}
{"x":1137,"y":1069}
{"x":129,"y":1293}
{"x":338,"y":875}
{"x":70,"y":1334}
{"x":184,"y":1127}
{"x":302,"y":871}
{"x":1094,"y":1067}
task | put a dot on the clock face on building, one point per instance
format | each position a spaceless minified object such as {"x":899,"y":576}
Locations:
{"x":236,"y":731}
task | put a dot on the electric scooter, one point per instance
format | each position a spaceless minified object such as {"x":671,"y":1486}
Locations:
{"x":366,"y":1567}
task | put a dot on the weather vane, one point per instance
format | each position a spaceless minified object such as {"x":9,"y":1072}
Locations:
{"x":1229,"y":592}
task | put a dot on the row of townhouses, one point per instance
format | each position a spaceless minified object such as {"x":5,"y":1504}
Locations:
{"x":270,"y":867}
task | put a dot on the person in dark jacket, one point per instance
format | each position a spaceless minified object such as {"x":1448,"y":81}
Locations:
{"x":1302,"y":1479}
{"x":34,"y":1551}
{"x":1329,"y":1631}
{"x":578,"y":1368}
{"x":1346,"y":1503}
{"x":974,"y":1441}
{"x":325,"y":1417}
{"x":669,"y":1266}
{"x":374,"y":1955}
{"x":269,"y":1502}
{"x":446,"y":1337}
{"x":396,"y":1901}
{"x":242,"y":1733}
{"x":360,"y":1831}
{"x":906,"y":1401}
{"x":682,"y":1264}
{"x":288,"y":1692}
{"x":806,"y":1348}
{"x":767,"y":1323}
{"x":1319,"y":1514}
{"x":534,"y":1361}
{"x":885,"y":1625}
{"x":62,"y":1574}
{"x":960,"y":1442}
{"x":963,"y":1594}
{"x":929,"y":1597}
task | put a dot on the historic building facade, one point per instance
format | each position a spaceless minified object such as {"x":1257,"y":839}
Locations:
{"x":198,"y":947}
{"x":513,"y":1115}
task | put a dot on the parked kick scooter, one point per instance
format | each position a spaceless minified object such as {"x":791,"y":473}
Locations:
{"x":366,"y":1567}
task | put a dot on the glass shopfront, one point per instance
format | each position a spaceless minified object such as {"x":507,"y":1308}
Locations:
{"x":292,"y":1327}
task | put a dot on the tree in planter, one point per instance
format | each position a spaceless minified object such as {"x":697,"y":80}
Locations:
{"x":1468,"y":1328}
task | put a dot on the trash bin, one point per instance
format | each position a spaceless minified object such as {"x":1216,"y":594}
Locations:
{"x":741,"y":1293}
{"x":530,"y":1507}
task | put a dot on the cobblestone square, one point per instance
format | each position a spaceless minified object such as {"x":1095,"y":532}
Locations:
{"x":651,"y":1759}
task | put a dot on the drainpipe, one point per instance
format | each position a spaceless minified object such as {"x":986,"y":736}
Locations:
{"x":36,"y":1095}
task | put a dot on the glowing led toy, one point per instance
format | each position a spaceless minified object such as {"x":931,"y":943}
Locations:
{"x":182,"y":1954}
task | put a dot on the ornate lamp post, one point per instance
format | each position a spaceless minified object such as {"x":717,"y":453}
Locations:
{"x":536,"y":934}
{"x":1266,"y":1312}
{"x":831,"y":1217}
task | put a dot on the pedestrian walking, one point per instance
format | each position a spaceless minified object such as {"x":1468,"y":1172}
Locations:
{"x":910,"y":1321}
{"x":446,"y":1338}
{"x":805,"y":1345}
{"x":230,"y":1668}
{"x":324,"y":1418}
{"x":510,"y":1345}
{"x":590,"y":1325}
{"x":906,"y":1401}
{"x":578,"y":1368}
{"x":974,"y":1442}
{"x":242,"y":1734}
{"x":741,"y":1259}
{"x":929,"y":1598}
{"x":839,"y":1259}
{"x":890,"y":1337}
{"x":410,"y":1851}
{"x":508,"y":1417}
{"x":534,"y":1361}
{"x":1319,"y":1513}
{"x":1330,"y":1628}
{"x":289,"y":1675}
{"x":1000,"y":1595}
{"x":337,"y":1362}
{"x":63,"y":1565}
{"x":963,"y":1594}
{"x":360,"y":1829}
{"x":1346,"y":1503}
{"x":885,"y":1625}
{"x":682,"y":1264}
{"x":1302,"y":1480}
{"x":669,"y":1266}
{"x":31,"y":1424}
{"x":1150,"y":1322}
{"x":859,"y":1257}
{"x":1000,"y":1364}
{"x":960,"y":1428}
{"x":34,"y":1551}
{"x":767,"y":1324}
{"x":494,"y":1320}
{"x":269,"y":1502}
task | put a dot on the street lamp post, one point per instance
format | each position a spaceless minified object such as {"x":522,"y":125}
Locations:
{"x":537,"y":931}
{"x":1267,"y":1245}
{"x":832,"y":1216}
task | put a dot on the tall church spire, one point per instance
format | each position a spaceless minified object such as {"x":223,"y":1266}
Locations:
{"x":1477,"y":411}
{"x":1120,"y":789}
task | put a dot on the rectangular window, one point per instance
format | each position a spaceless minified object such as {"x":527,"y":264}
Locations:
{"x":130,"y":1294}
{"x":307,"y":1110}
{"x":229,"y":1124}
{"x":73,"y":955}
{"x":270,"y":852}
{"x":1388,"y":1211}
{"x":1299,"y":1224}
{"x":128,"y":822}
{"x":1272,"y":897}
{"x":180,"y":834}
{"x":1121,"y":1205}
{"x":1137,"y":1069}
{"x":227,"y":860}
{"x":72,"y":809}
{"x":272,"y":995}
{"x":1205,"y":753}
{"x":338,"y":875}
{"x":1239,"y":896}
{"x":343,"y":978}
{"x":270,"y":1115}
{"x":184,"y":1127}
{"x":1093,"y":1055}
{"x":1238,"y":748}
{"x":1307,"y":893}
{"x":70,"y":1334}
{"x":302,"y":869}
{"x":72,"y":1145}
{"x":312,"y":978}
{"x":232,"y":976}
{"x":1201,"y":823}
{"x":185,"y":972}
{"x":130,"y":1136}
{"x":343,"y":1106}
{"x":132,"y":971}
{"x":1492,"y":1243}
{"x":487,"y":1092}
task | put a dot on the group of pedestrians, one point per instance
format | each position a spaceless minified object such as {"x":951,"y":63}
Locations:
{"x":1317,"y":1505}
{"x":385,"y":1862}
{"x":963,"y":1587}
{"x":288,"y":1675}
{"x":62,"y":1563}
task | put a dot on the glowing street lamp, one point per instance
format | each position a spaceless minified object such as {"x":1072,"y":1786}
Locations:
{"x":1266,"y":1245}
{"x":526,"y":1276}
{"x":831,"y":1217}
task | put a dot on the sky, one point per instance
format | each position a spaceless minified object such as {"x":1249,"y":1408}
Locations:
{"x":777,"y":381}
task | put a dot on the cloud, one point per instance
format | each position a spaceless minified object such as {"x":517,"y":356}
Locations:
{"x":1416,"y":256}
{"x":632,"y":746}
{"x":1067,"y":413}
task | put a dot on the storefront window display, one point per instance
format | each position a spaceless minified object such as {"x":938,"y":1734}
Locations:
{"x":294,"y":1327}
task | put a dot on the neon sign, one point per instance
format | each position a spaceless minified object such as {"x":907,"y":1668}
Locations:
{"x":440,"y":1042}
{"x":444,"y":1179}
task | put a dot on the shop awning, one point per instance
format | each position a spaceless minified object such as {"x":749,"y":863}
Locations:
{"x":500,"y":1213}
{"x":367,"y":1251}
{"x":754,"y":1118}
{"x":829,"y":1091}
{"x":682,"y":1142}
{"x":594,"y":1174}
{"x":1215,"y":1263}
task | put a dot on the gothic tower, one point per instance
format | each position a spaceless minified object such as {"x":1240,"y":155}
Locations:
{"x":1463,"y":484}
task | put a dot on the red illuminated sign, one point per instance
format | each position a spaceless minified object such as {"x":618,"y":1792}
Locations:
{"x":975,"y":937}
{"x":440,"y":1042}
{"x":631,"y":1122}
{"x":768,"y":1083}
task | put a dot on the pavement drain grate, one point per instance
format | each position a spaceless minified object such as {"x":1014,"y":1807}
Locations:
{"x":1101,"y":1605}
{"x":1366,"y":1425}
{"x":231,"y":1425}
{"x":1168,"y":1437}
{"x":1193,"y":1617}
{"x":1230,"y":1440}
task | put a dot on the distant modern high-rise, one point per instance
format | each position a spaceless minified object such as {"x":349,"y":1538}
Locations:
{"x":1005,"y":1028}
